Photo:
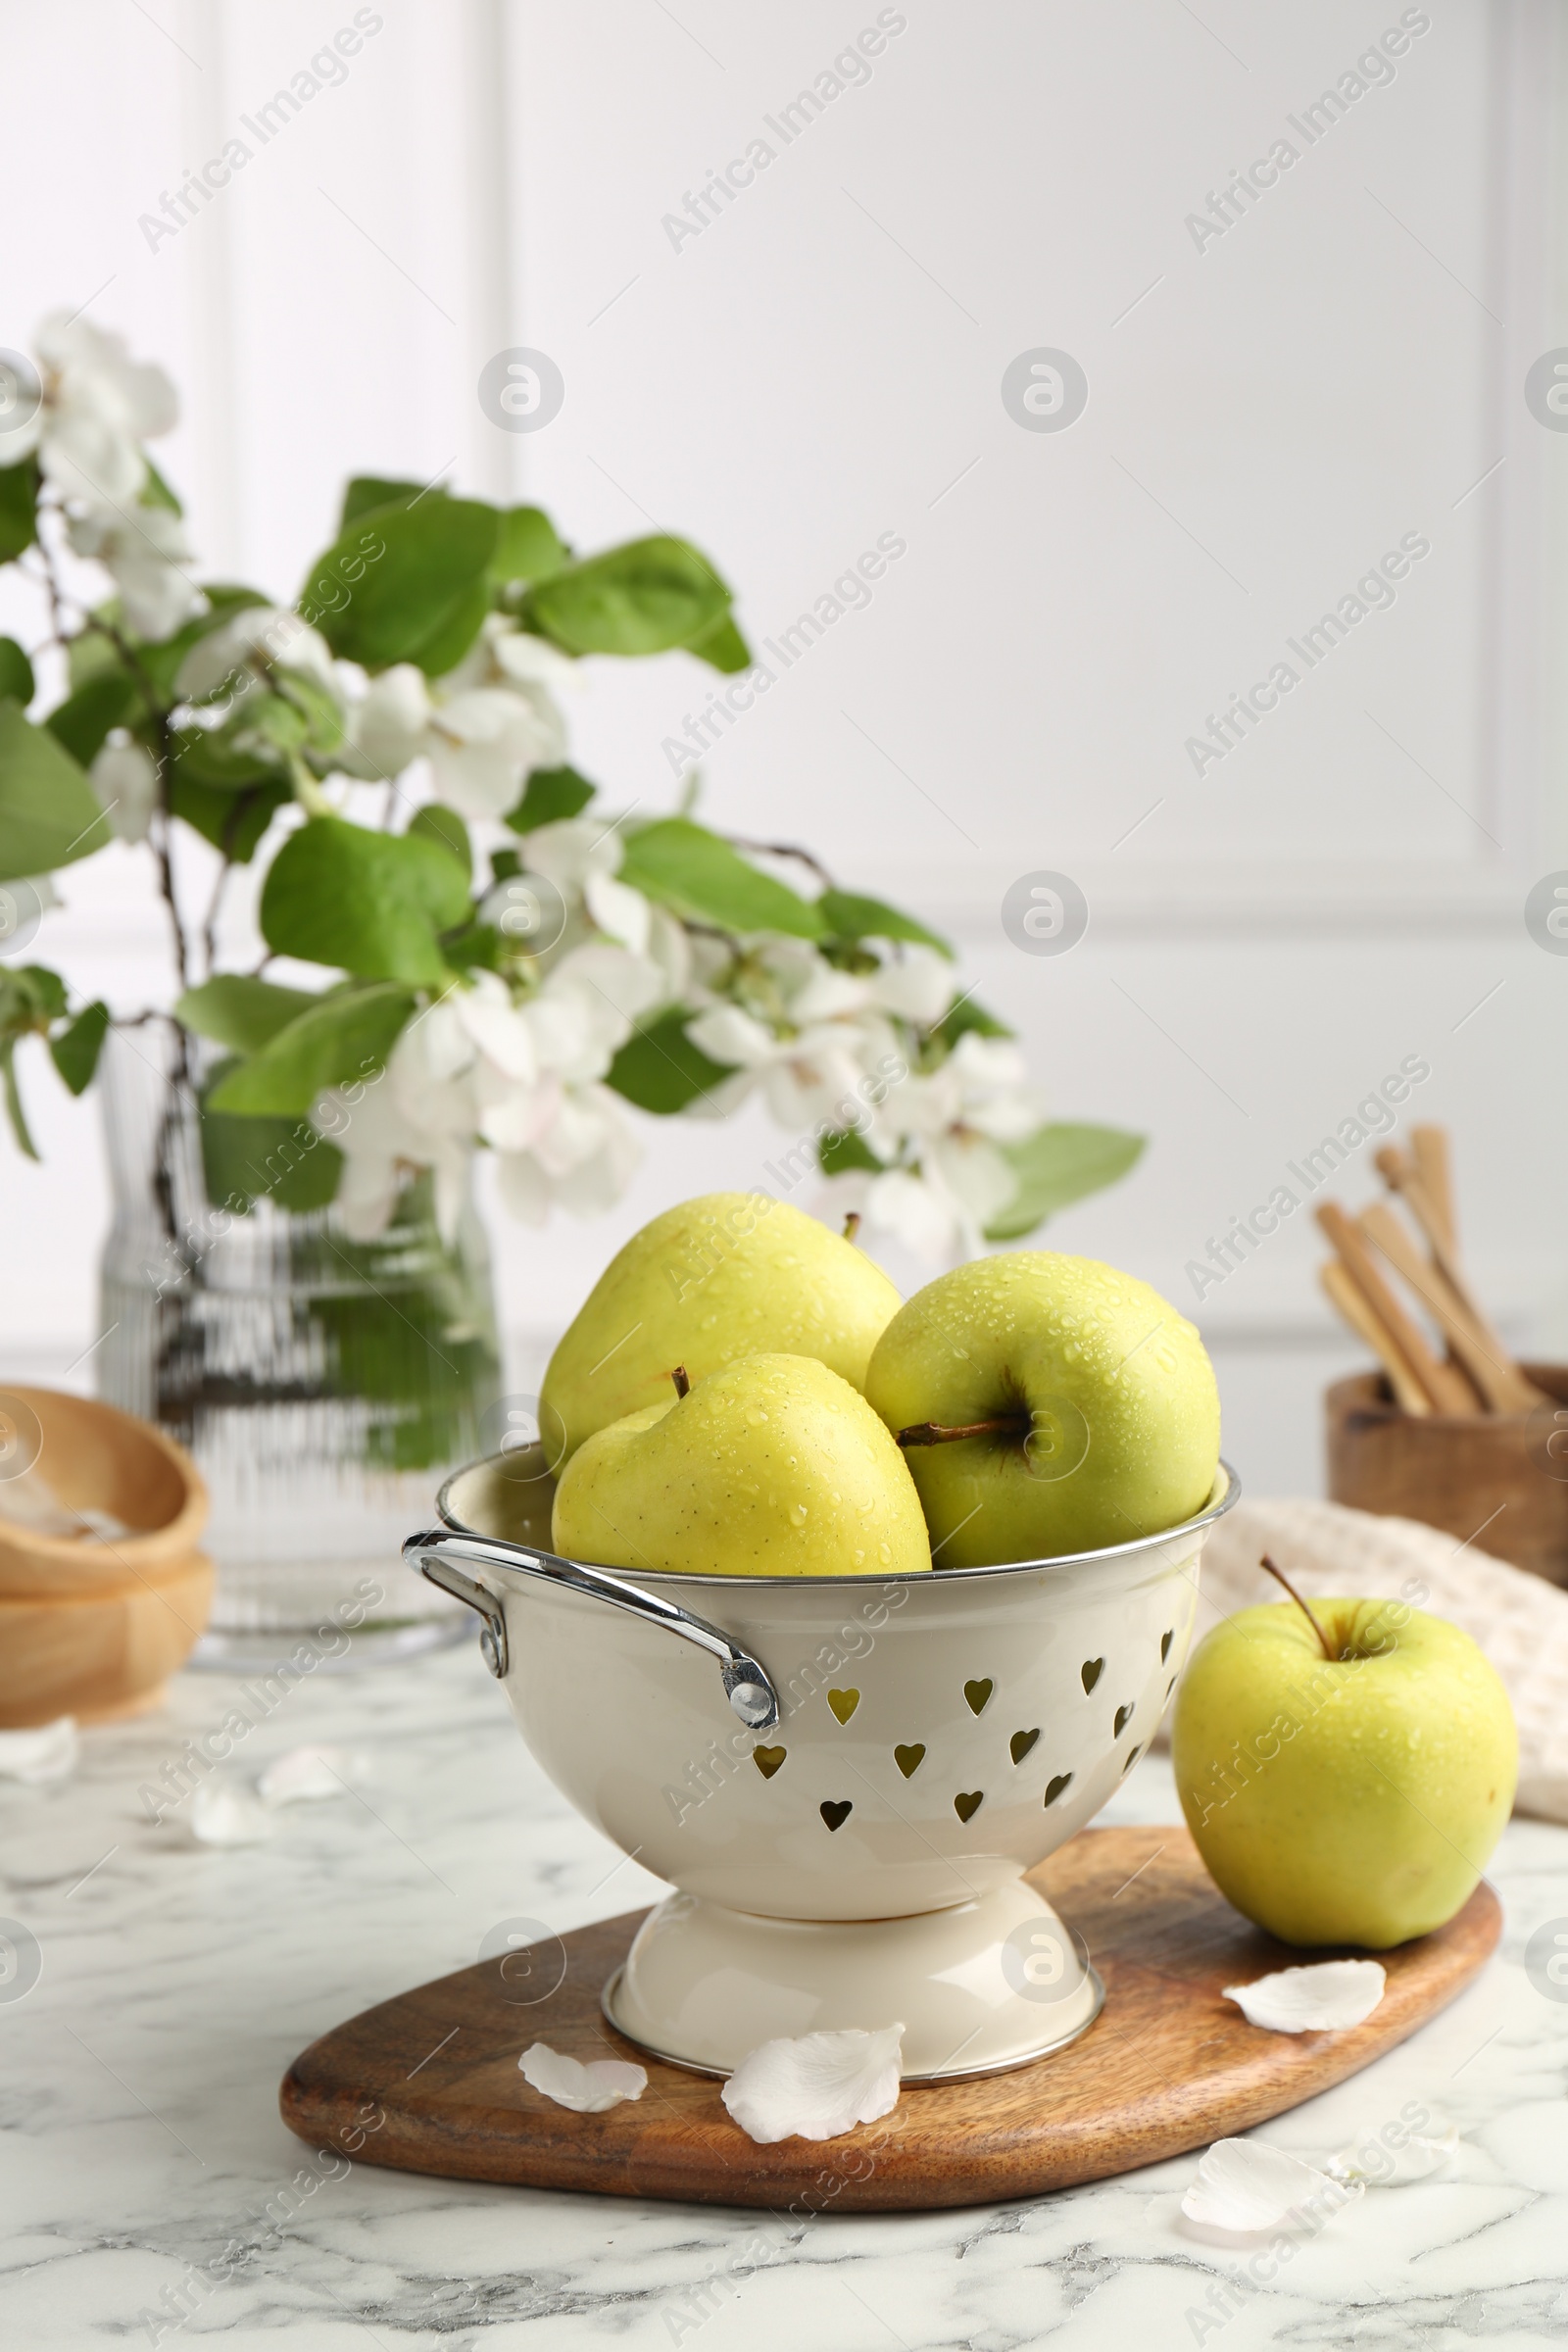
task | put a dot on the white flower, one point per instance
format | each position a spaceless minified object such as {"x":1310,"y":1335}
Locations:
{"x":386,"y":726}
{"x":146,"y":550}
{"x":97,"y":407}
{"x":582,"y":855}
{"x":124,"y":777}
{"x":817,"y":2085}
{"x":917,"y":985}
{"x":502,"y":655}
{"x":587,"y":2089}
{"x":382,"y":1148}
{"x":1322,"y":1997}
{"x":481,"y":746}
{"x":235,"y":658}
{"x":1244,"y":2186}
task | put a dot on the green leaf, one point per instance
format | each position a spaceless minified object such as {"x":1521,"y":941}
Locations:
{"x":722,"y":647}
{"x":526,"y":547}
{"x":1059,"y":1164}
{"x":552,"y":793}
{"x":367,"y":491}
{"x":639,"y":598}
{"x":211,"y":755}
{"x":391,"y":580}
{"x":244,"y":1160}
{"x":49,"y":813}
{"x":686,"y":868}
{"x":841,"y":1153}
{"x":660,"y":1069}
{"x":371,"y":903}
{"x":17,"y":682}
{"x":157,"y":493}
{"x":451,"y":637}
{"x":19,"y":508}
{"x":77,"y":1050}
{"x":968,"y":1018}
{"x":446,"y":828}
{"x":234,"y":822}
{"x":240,"y":1012}
{"x":83,"y":719}
{"x":344,"y":1035}
{"x":847,"y":916}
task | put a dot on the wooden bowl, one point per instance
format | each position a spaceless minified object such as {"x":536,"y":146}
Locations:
{"x":94,"y":1629}
{"x":1499,"y":1480}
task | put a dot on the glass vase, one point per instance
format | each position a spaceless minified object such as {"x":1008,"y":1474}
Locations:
{"x":325,"y":1385}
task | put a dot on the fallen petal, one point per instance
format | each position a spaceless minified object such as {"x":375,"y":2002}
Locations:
{"x":1244,"y":2186}
{"x":228,"y":1813}
{"x":304,"y":1775}
{"x":816,"y":2086}
{"x":586,"y":2089}
{"x":1379,"y":2158}
{"x":1319,"y":1998}
{"x":47,"y":1753}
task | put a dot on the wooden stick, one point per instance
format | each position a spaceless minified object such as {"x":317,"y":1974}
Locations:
{"x":1446,"y":1389}
{"x":1419,"y":1200}
{"x":1498,"y":1379}
{"x":1352,"y":1308}
{"x":1430,"y":1146}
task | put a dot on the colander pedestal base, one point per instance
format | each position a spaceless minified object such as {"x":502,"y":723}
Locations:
{"x":980,"y":1987}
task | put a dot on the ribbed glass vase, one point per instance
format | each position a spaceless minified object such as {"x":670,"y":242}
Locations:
{"x":325,"y":1385}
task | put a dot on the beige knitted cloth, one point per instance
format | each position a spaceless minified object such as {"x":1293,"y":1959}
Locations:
{"x":1518,"y":1620}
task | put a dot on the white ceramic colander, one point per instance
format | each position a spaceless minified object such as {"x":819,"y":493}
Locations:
{"x":844,"y":1778}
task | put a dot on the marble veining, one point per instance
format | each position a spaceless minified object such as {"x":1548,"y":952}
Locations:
{"x":147,"y":2174}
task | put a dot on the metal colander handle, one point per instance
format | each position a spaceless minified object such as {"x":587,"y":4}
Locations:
{"x":747,"y":1685}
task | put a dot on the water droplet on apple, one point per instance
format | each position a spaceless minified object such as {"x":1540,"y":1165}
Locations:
{"x":797,"y":1514}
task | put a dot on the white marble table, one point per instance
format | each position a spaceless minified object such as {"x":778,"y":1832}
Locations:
{"x":142,"y":2140}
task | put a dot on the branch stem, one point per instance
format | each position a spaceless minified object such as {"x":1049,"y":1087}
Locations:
{"x":940,"y":1433}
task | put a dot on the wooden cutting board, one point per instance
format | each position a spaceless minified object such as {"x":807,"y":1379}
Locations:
{"x":1167,"y":2066}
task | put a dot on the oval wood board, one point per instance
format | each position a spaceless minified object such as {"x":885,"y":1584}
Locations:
{"x":1168,"y":2065}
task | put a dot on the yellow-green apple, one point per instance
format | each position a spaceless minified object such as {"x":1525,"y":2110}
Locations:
{"x":1344,"y":1798}
{"x":773,"y":1466}
{"x":1045,"y":1405}
{"x":727,"y":1275}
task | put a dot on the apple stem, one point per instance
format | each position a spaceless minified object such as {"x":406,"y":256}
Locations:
{"x":1280,"y":1578}
{"x":937,"y":1433}
{"x":682,"y":1380}
{"x":852,"y":1225}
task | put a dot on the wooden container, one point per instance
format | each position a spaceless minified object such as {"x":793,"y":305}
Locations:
{"x":1498,"y":1479}
{"x":88,"y":1628}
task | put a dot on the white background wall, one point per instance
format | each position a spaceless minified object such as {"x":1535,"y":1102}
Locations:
{"x":1266,"y":415}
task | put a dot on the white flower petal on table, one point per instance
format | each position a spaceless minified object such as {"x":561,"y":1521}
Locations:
{"x":48,"y":1752}
{"x":1379,"y":2158}
{"x":1322,"y":1997}
{"x":817,"y":2085}
{"x":305,"y":1776}
{"x":228,"y":1813}
{"x":1244,"y":2186}
{"x":586,"y":2089}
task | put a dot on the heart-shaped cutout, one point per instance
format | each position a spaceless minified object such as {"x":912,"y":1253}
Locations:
{"x":836,"y":1815}
{"x":910,"y":1759}
{"x":978,"y":1693}
{"x":1165,"y":1641}
{"x":1020,"y":1744}
{"x":1124,"y":1716}
{"x":968,"y":1805}
{"x":768,"y":1759}
{"x":1132,"y":1754}
{"x":844,"y":1703}
{"x":1090,"y":1672}
{"x":1053,"y":1789}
